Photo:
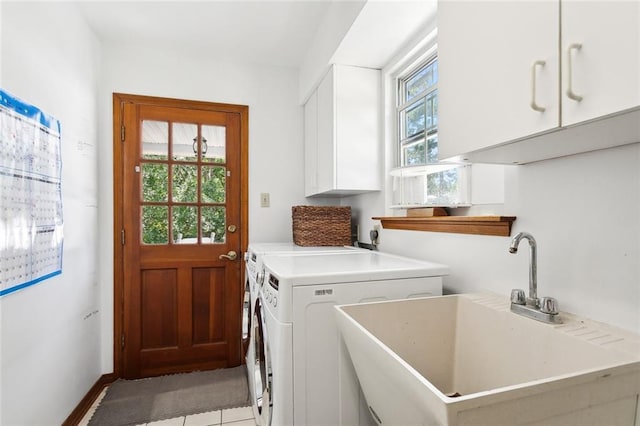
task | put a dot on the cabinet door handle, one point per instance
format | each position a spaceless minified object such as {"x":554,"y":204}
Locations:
{"x":570,"y":94}
{"x":534,"y":105}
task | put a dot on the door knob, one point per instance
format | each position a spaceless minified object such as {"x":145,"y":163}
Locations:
{"x":232,"y":255}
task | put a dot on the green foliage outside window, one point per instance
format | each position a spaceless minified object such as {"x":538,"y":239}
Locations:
{"x":184,"y":217}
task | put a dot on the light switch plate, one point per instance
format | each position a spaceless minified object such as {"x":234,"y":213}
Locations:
{"x":264,"y":199}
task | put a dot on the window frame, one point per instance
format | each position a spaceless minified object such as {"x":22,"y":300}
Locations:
{"x":403,"y":175}
{"x":402,"y":106}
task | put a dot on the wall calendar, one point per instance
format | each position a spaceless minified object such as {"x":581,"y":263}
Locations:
{"x":30,"y":195}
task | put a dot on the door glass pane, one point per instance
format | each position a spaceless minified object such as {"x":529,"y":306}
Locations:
{"x":214,"y":144}
{"x":155,"y":225}
{"x":155,"y":140}
{"x":213,"y":184}
{"x":185,"y":224}
{"x":213,"y":224}
{"x":185,"y":183}
{"x":185,"y":141}
{"x":155,"y":178}
{"x":414,"y":119}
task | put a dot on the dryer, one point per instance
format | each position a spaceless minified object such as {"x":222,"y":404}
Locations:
{"x":254,"y":276}
{"x":308,"y":372}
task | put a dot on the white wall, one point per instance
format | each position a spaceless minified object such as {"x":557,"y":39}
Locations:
{"x":275,"y":137}
{"x":50,"y":331}
{"x":335,"y":24}
{"x":584,"y":212}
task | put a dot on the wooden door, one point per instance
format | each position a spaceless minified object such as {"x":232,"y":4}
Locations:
{"x":183,"y":228}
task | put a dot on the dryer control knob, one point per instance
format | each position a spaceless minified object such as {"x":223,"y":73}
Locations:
{"x":260,"y":277}
{"x":275,"y":301}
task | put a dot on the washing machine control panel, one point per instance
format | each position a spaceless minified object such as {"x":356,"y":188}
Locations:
{"x":254,"y":276}
{"x":250,"y":260}
{"x":274,"y":282}
{"x":271,"y":291}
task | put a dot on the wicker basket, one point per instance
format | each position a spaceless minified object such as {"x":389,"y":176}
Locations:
{"x":321,"y":226}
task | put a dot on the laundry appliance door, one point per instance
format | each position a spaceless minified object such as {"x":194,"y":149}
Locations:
{"x":248,"y":336}
{"x":247,"y":312}
{"x":260,"y":372}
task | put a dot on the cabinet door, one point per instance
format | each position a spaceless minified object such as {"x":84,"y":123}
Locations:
{"x":357,"y":101}
{"x":326,"y":134}
{"x":487,"y":51}
{"x":605,"y":70}
{"x":311,"y":145}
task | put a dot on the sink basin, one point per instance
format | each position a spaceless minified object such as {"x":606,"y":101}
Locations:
{"x":466,"y":359}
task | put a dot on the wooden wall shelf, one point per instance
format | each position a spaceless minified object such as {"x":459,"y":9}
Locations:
{"x":480,"y":225}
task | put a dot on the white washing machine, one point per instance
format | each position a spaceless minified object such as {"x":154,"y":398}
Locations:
{"x":307,"y":372}
{"x":254,"y":276}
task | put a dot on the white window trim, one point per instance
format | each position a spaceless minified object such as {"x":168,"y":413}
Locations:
{"x":401,"y":104}
{"x":491,"y":195}
{"x":409,"y":57}
{"x":402,"y":67}
{"x":406,"y":62}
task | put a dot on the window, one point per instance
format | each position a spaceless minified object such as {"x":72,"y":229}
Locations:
{"x":418,"y":116}
{"x":420,"y":179}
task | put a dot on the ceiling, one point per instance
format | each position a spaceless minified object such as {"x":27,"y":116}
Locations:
{"x":381,"y":28}
{"x":263,"y":32}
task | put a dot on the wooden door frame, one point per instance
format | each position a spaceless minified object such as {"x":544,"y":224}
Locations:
{"x":118,"y":198}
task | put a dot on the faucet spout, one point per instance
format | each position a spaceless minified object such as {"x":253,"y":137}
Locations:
{"x":532,"y":300}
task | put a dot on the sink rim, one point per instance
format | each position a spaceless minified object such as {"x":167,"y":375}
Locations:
{"x":529,"y":387}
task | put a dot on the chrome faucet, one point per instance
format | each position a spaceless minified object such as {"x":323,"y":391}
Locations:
{"x":532,"y":300}
{"x":545,"y":310}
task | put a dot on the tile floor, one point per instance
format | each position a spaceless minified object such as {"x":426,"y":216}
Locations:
{"x":231,"y":417}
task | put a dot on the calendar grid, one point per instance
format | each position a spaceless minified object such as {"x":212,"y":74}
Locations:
{"x":31,"y":223}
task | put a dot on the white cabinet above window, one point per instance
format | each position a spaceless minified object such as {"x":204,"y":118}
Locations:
{"x":523,"y":81}
{"x":342,"y":133}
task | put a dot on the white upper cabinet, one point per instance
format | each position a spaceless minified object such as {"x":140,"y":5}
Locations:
{"x":326,"y":128}
{"x":600,"y":58}
{"x":523,"y":81}
{"x":486,"y":54}
{"x":342,"y":133}
{"x":311,"y":145}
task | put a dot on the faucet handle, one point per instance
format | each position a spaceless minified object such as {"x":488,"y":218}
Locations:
{"x":517,"y":296}
{"x":549,"y":305}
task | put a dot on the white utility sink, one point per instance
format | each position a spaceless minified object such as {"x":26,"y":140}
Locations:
{"x":411,"y":356}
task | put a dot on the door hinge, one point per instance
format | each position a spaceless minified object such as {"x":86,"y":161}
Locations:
{"x":122,"y":133}
{"x":122,"y":340}
{"x":122,"y":236}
